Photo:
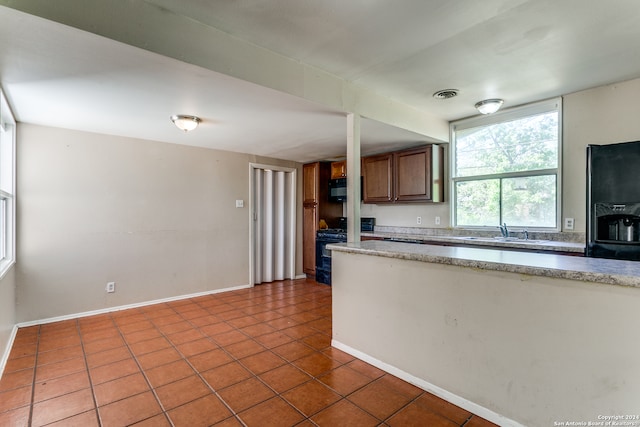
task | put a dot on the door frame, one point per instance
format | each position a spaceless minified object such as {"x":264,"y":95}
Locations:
{"x":291,"y":175}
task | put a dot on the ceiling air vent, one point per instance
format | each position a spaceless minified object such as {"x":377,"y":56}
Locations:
{"x":446,"y":93}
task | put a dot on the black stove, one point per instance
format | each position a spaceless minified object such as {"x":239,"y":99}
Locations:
{"x":323,"y":255}
{"x":333,"y":235}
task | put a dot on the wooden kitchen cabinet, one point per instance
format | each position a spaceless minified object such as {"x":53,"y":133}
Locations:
{"x":378,"y":178}
{"x":414,"y":175}
{"x":311,"y":177}
{"x":309,"y":218}
{"x":316,"y":206}
{"x":339,"y":169}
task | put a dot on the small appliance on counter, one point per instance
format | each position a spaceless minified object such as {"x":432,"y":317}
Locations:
{"x":613,"y":201}
{"x":334,"y":235}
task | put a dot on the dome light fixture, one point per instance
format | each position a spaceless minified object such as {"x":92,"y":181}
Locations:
{"x":489,"y":106}
{"x":185,"y":123}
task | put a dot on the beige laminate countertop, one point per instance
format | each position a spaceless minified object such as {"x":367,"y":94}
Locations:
{"x":606,"y":271}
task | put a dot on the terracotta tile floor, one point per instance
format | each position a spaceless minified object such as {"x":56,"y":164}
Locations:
{"x":254,"y":357}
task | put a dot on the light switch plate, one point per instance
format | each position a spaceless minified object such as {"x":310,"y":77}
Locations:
{"x":111,"y":287}
{"x":239,"y":203}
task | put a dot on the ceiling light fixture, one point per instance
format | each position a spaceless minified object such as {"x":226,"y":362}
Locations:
{"x":185,"y":123}
{"x":489,"y":106}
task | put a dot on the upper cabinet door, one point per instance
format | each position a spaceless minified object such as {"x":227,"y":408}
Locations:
{"x":378,"y":175}
{"x":339,"y":170}
{"x":311,"y":176}
{"x":413,"y":175}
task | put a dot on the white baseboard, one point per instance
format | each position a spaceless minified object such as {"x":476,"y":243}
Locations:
{"x":128,"y":306}
{"x":476,"y":409}
{"x":7,"y":350}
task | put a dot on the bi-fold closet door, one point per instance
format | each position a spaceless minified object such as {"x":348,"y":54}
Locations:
{"x":274,"y":223}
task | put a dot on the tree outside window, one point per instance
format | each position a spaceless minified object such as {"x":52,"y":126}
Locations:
{"x":507,"y":171}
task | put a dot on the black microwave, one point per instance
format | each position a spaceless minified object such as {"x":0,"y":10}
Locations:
{"x":338,"y":189}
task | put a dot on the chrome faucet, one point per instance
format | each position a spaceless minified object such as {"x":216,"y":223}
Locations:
{"x":504,"y":230}
{"x":526,"y":234}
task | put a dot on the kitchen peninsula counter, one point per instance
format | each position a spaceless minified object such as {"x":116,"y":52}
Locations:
{"x":599,"y":270}
{"x":467,"y":239}
{"x":521,"y":339}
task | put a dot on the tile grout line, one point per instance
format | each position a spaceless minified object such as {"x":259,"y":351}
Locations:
{"x":405,"y":405}
{"x":142,"y":371}
{"x":467,"y":421}
{"x":197,"y":371}
{"x":254,"y":375}
{"x":86,"y":365}
{"x":33,"y":403}
{"x":237,"y":360}
{"x":234,"y":358}
{"x":288,"y":362}
{"x":33,"y":380}
{"x":185,"y":358}
{"x":343,"y":397}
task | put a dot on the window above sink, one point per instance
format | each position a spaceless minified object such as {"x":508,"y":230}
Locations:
{"x":506,"y":168}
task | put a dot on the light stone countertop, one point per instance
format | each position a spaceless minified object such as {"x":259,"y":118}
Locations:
{"x":495,"y":242}
{"x":599,"y":270}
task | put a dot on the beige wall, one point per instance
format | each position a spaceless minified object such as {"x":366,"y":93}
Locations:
{"x":535,"y":350}
{"x":158,"y":219}
{"x":7,"y":310}
{"x":602,"y":115}
{"x":405,"y":215}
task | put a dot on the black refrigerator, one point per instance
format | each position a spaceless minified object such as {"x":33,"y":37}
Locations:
{"x":613,"y":201}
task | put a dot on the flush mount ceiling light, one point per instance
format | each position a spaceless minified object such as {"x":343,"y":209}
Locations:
{"x":185,"y":123}
{"x":489,"y":106}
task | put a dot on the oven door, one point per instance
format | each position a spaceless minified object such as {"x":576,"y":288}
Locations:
{"x":323,"y":255}
{"x":323,"y":260}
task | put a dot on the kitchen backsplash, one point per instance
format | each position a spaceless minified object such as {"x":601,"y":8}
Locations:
{"x":534,"y":235}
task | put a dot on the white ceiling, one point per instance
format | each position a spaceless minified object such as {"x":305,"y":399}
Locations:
{"x":518,"y":50}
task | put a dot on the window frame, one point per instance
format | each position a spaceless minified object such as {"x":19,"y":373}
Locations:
{"x":554,"y":104}
{"x":8,"y":205}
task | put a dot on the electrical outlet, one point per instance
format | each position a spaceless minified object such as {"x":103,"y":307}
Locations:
{"x":111,"y":287}
{"x":568,"y":223}
{"x":437,"y":220}
{"x":419,"y":220}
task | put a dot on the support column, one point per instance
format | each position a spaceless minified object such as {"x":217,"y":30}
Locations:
{"x":353,"y":177}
